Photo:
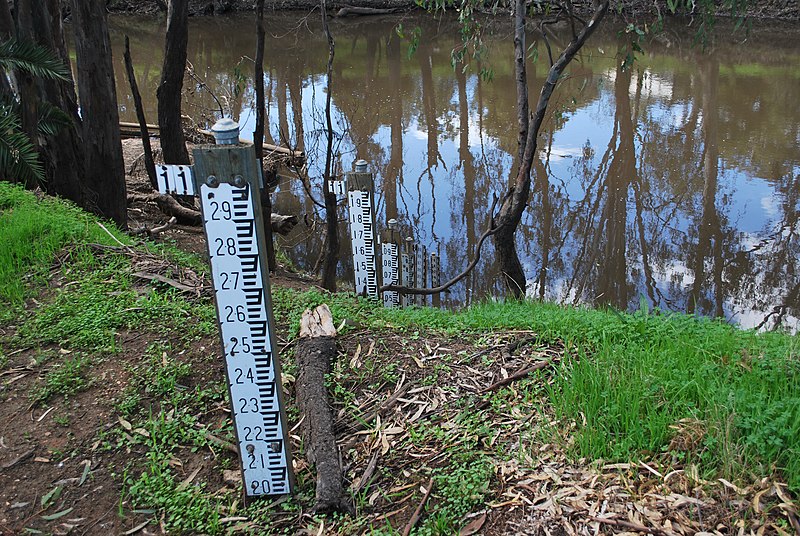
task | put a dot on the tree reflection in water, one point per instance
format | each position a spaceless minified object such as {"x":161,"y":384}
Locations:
{"x":673,"y":183}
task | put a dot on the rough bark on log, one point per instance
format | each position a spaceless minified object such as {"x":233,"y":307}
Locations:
{"x":282,"y":224}
{"x":315,"y":351}
{"x":170,"y":206}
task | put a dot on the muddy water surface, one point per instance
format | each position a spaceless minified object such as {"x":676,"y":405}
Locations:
{"x":673,"y":183}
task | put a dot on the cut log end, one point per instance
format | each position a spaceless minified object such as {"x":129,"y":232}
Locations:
{"x":317,"y":323}
{"x":327,"y":507}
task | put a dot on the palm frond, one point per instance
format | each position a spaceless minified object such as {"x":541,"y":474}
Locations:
{"x":35,"y":59}
{"x":18,"y":157}
{"x":52,"y":119}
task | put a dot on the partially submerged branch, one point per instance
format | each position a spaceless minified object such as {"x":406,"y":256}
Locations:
{"x":441,"y":288}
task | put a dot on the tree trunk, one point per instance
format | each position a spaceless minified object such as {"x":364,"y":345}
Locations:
{"x":516,"y":198}
{"x":6,"y":32}
{"x":258,"y":134}
{"x":521,"y":76}
{"x":331,"y":215}
{"x":173,"y":144}
{"x":315,"y":351}
{"x":105,"y":169}
{"x":62,"y":154}
{"x":6,"y":21}
{"x":149,"y":164}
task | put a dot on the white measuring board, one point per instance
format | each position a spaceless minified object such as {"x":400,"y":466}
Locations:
{"x":389,"y":273}
{"x":407,"y":275}
{"x":174,"y":179}
{"x":230,"y":226}
{"x":362,"y":236}
{"x":420,"y":273}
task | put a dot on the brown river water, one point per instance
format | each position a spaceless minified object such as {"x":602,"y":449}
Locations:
{"x":672,"y":184}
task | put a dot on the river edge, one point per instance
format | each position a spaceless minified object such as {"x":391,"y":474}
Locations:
{"x":505,"y":408}
{"x":636,"y":9}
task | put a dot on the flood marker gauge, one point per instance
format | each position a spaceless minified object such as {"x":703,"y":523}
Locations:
{"x":226,"y":179}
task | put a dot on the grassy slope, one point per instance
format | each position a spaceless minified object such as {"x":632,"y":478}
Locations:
{"x":634,"y":383}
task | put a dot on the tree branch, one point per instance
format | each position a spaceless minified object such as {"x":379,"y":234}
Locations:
{"x":441,"y":288}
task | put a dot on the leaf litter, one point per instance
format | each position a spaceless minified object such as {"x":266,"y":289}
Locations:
{"x":537,"y":488}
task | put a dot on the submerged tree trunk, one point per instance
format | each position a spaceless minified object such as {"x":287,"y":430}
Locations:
{"x":331,"y":216}
{"x":515,"y":200}
{"x":105,"y":169}
{"x":258,"y":134}
{"x":173,"y":143}
{"x":521,"y":76}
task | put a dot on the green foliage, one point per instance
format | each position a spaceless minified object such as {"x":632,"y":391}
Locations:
{"x":18,"y":157}
{"x":32,"y":231}
{"x":66,"y":378}
{"x":184,"y":508}
{"x":33,"y":58}
{"x":461,"y":488}
{"x":52,"y":119}
{"x":633,"y":378}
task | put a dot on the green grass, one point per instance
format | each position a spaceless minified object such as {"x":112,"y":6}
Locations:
{"x":628,"y":382}
{"x":66,"y":378}
{"x":32,"y":232}
{"x":635,"y":377}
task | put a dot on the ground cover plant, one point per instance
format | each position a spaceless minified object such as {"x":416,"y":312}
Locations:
{"x":503,"y":418}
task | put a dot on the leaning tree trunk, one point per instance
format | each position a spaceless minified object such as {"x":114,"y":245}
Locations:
{"x":105,"y":169}
{"x":149,"y":163}
{"x":173,"y":143}
{"x":521,"y":76}
{"x":515,"y":200}
{"x":315,"y":351}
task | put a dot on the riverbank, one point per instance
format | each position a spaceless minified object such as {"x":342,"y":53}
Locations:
{"x":524,"y":417}
{"x":773,"y":9}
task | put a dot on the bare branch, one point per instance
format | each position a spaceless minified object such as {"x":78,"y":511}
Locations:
{"x":546,"y":42}
{"x":307,"y":187}
{"x":200,"y":82}
{"x":441,"y":288}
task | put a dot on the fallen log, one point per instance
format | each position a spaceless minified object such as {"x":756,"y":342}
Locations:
{"x":170,"y":206}
{"x":355,"y":10}
{"x":280,"y":223}
{"x":315,"y":351}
